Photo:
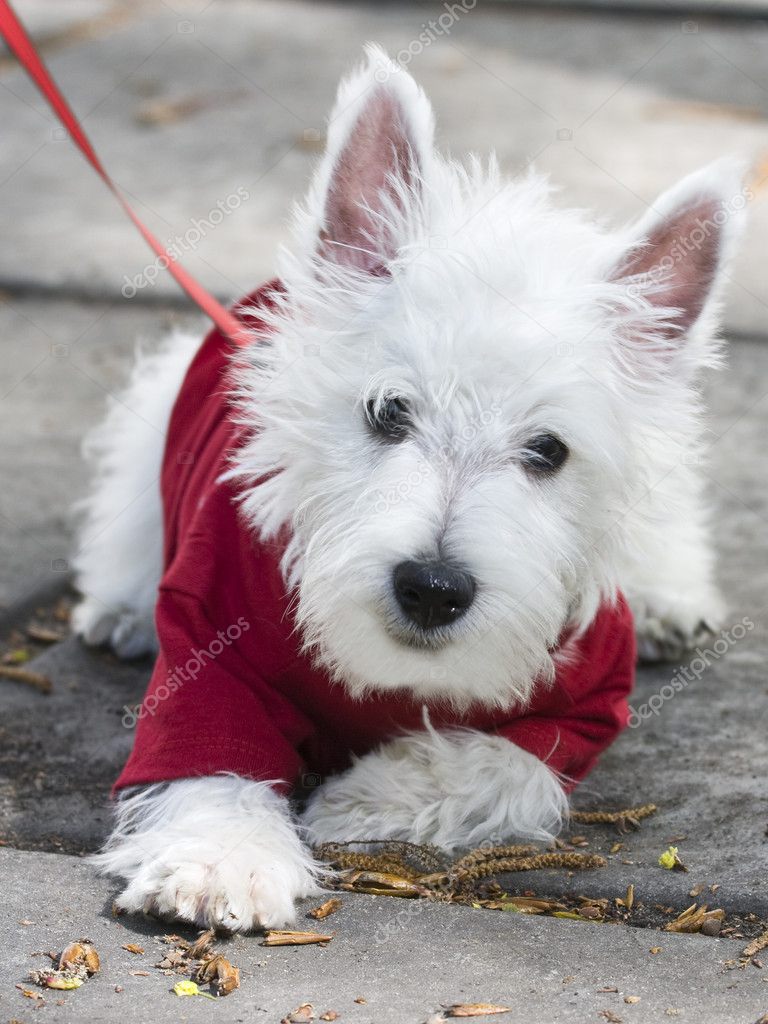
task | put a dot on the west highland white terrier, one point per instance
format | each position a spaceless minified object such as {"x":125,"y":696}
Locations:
{"x":388,"y":550}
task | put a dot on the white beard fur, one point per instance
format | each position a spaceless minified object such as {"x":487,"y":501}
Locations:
{"x":626,"y":513}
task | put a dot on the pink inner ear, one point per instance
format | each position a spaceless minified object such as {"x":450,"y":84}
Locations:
{"x":377,"y":151}
{"x":678,"y":265}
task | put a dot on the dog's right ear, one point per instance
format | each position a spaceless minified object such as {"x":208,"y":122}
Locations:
{"x":370,"y":181}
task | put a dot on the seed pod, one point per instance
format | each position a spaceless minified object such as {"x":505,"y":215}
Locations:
{"x":201,"y":945}
{"x":325,"y":909}
{"x":72,"y":956}
{"x":285,"y":938}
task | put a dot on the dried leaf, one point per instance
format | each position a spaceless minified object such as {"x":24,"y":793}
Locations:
{"x":475,"y":1010}
{"x":28,"y":993}
{"x":223,"y":977}
{"x":131,"y":947}
{"x":591,"y":913}
{"x":286,"y":938}
{"x":325,"y":910}
{"x":329,"y":1015}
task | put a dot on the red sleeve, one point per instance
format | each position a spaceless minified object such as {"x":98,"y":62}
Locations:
{"x":206,"y":709}
{"x":569,"y":724}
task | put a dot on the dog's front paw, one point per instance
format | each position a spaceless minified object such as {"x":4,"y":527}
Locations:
{"x":240,"y":891}
{"x":218,"y":852}
{"x":453,"y":788}
{"x":667,"y":628}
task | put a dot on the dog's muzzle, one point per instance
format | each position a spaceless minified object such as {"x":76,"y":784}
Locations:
{"x":432,"y":594}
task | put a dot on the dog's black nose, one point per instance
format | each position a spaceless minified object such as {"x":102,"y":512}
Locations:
{"x":433,"y":593}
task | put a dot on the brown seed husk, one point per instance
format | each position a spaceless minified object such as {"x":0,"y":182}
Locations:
{"x":325,"y":910}
{"x":219,"y":972}
{"x":629,"y":899}
{"x":303,"y":1014}
{"x":23,"y":675}
{"x":755,"y":946}
{"x":692,"y":919}
{"x":79,"y":955}
{"x":202,"y":945}
{"x":276,"y":937}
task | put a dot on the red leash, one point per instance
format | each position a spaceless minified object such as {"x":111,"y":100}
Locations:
{"x":22,"y":46}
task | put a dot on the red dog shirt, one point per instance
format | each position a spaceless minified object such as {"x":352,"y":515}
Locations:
{"x":230,"y":691}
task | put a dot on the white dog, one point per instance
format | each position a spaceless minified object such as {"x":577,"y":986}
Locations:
{"x":467,"y":425}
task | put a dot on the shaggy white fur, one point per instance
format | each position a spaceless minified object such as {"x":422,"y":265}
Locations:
{"x":496,"y":318}
{"x":120,"y":542}
{"x":221,"y":851}
{"x":453,"y":788}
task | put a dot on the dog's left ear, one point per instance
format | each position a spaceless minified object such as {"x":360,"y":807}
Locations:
{"x":371,"y":178}
{"x":683,"y":245}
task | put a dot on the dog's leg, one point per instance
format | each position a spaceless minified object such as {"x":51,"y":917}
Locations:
{"x":669,"y":579}
{"x":220,"y":851}
{"x":118,"y":559}
{"x":454,"y":788}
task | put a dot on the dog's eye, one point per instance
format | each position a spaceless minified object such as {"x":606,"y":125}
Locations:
{"x":545,"y":454}
{"x":390,"y":418}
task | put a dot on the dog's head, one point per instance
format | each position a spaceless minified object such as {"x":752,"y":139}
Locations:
{"x":451,"y":415}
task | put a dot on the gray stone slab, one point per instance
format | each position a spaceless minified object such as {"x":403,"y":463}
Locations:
{"x":59,"y":363}
{"x":403,"y":959}
{"x":614,"y":108}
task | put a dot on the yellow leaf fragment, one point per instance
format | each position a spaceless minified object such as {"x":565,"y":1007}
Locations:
{"x":189,"y":988}
{"x":671,"y":861}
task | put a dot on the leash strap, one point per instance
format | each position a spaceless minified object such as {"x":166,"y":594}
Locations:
{"x":22,"y":46}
